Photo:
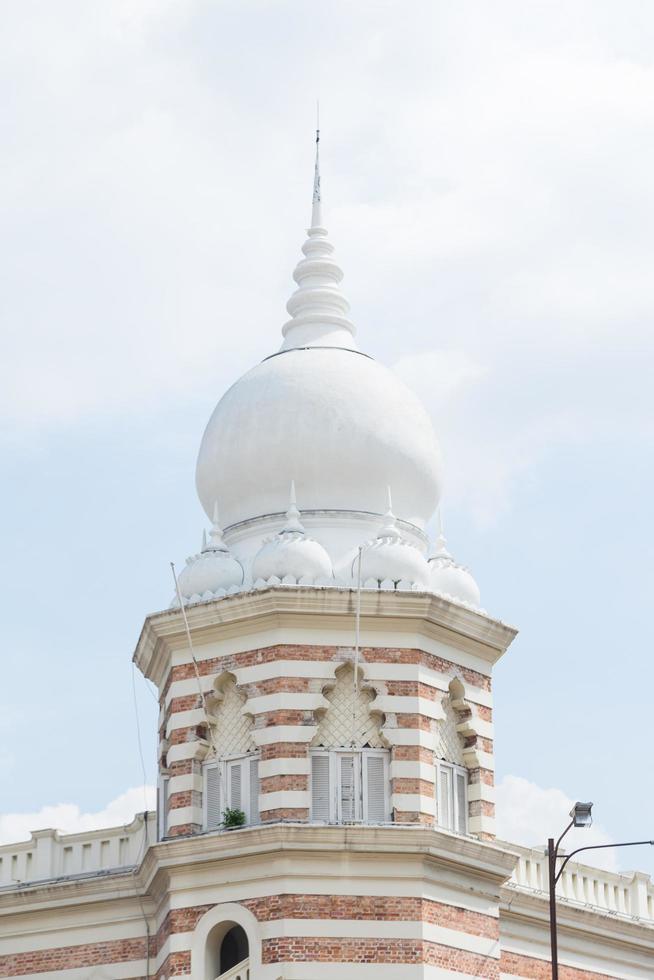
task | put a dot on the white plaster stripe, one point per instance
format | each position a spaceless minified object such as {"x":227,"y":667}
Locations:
{"x":185,"y":783}
{"x":284,"y":799}
{"x":413,"y":770}
{"x":185,"y":719}
{"x":481,"y":824}
{"x":181,"y":751}
{"x":77,"y":934}
{"x":321,"y":669}
{"x":283,"y":733}
{"x":413,"y":803}
{"x":485,"y":760}
{"x":481,"y":791}
{"x":406,"y":705}
{"x":410,"y":736}
{"x":284,"y":767}
{"x":380,"y":929}
{"x":176,"y":942}
{"x":184,"y":814}
{"x":285,"y":701}
{"x":483,"y":728}
{"x":424,"y":675}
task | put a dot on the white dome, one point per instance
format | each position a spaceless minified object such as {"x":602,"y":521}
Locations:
{"x":389,"y":558}
{"x":214,"y":570}
{"x":210,"y":571}
{"x":451,"y":579}
{"x":338,"y":422}
{"x":291,"y":554}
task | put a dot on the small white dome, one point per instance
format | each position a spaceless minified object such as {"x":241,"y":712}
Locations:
{"x":291,"y":554}
{"x":390,"y":558}
{"x":214,"y":570}
{"x":451,"y":579}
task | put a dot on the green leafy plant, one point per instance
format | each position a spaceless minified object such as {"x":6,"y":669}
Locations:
{"x":233,"y":818}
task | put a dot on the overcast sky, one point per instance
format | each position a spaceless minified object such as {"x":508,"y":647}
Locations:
{"x":487,"y":176}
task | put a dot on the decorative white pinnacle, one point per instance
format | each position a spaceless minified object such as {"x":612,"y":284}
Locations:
{"x":389,"y":528}
{"x":440,"y":547}
{"x":318,"y":308}
{"x":293,"y":524}
{"x":316,"y":210}
{"x":216,"y":535}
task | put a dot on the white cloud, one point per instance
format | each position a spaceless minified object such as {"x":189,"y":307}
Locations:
{"x":68,"y":818}
{"x":528,"y":814}
{"x":438,"y":375}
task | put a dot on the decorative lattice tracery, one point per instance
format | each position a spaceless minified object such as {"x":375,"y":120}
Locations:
{"x":349,"y":720}
{"x":231,"y":729}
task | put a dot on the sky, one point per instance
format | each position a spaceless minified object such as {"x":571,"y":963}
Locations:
{"x":486,"y":173}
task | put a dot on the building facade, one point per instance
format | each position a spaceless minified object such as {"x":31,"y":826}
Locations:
{"x":326,"y":764}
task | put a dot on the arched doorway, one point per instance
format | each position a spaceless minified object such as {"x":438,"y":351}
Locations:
{"x":209,"y":958}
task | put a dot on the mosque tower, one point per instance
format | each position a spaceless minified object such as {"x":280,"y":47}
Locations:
{"x":326,"y":736}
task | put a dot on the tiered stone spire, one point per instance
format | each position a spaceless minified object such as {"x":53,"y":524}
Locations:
{"x":318,"y":308}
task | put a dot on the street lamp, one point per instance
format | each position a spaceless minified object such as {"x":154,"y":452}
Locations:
{"x":581,"y":817}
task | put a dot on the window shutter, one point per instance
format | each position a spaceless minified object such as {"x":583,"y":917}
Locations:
{"x":347,"y":788}
{"x":235,"y":785}
{"x":445,"y":797}
{"x":374,"y":783}
{"x":320,"y":787}
{"x":461,"y":801}
{"x":162,"y":804}
{"x":213,"y":815}
{"x":254,"y":791}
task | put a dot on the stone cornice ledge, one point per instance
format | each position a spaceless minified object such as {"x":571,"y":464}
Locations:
{"x":321,"y":607}
{"x":479,"y":858}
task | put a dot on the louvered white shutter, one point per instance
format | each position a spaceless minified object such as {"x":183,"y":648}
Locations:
{"x":235,"y":771}
{"x":320,"y":788}
{"x":461,"y":801}
{"x":347,"y":788}
{"x":254,"y":791}
{"x":162,"y":807}
{"x":445,"y":801}
{"x":375,"y":781}
{"x":212,"y":810}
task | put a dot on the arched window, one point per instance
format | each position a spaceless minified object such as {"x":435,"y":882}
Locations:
{"x":451,"y":773}
{"x":349,"y":763}
{"x":231,"y":780}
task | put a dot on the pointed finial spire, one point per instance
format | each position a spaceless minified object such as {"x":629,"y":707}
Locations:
{"x":318,"y":308}
{"x":316,"y":210}
{"x":389,"y":528}
{"x":204,"y":540}
{"x":440,"y":547}
{"x":216,"y":542}
{"x":293,"y":522}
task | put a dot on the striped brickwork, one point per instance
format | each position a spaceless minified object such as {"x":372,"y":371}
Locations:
{"x":283,"y":689}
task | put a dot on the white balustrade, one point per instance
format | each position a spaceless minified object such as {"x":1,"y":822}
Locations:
{"x":239,"y":972}
{"x":623,"y":894}
{"x":50,"y":855}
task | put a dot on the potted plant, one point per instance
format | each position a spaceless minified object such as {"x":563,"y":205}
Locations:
{"x":232,"y":819}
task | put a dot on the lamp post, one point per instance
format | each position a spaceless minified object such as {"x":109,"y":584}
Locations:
{"x":581,"y":817}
